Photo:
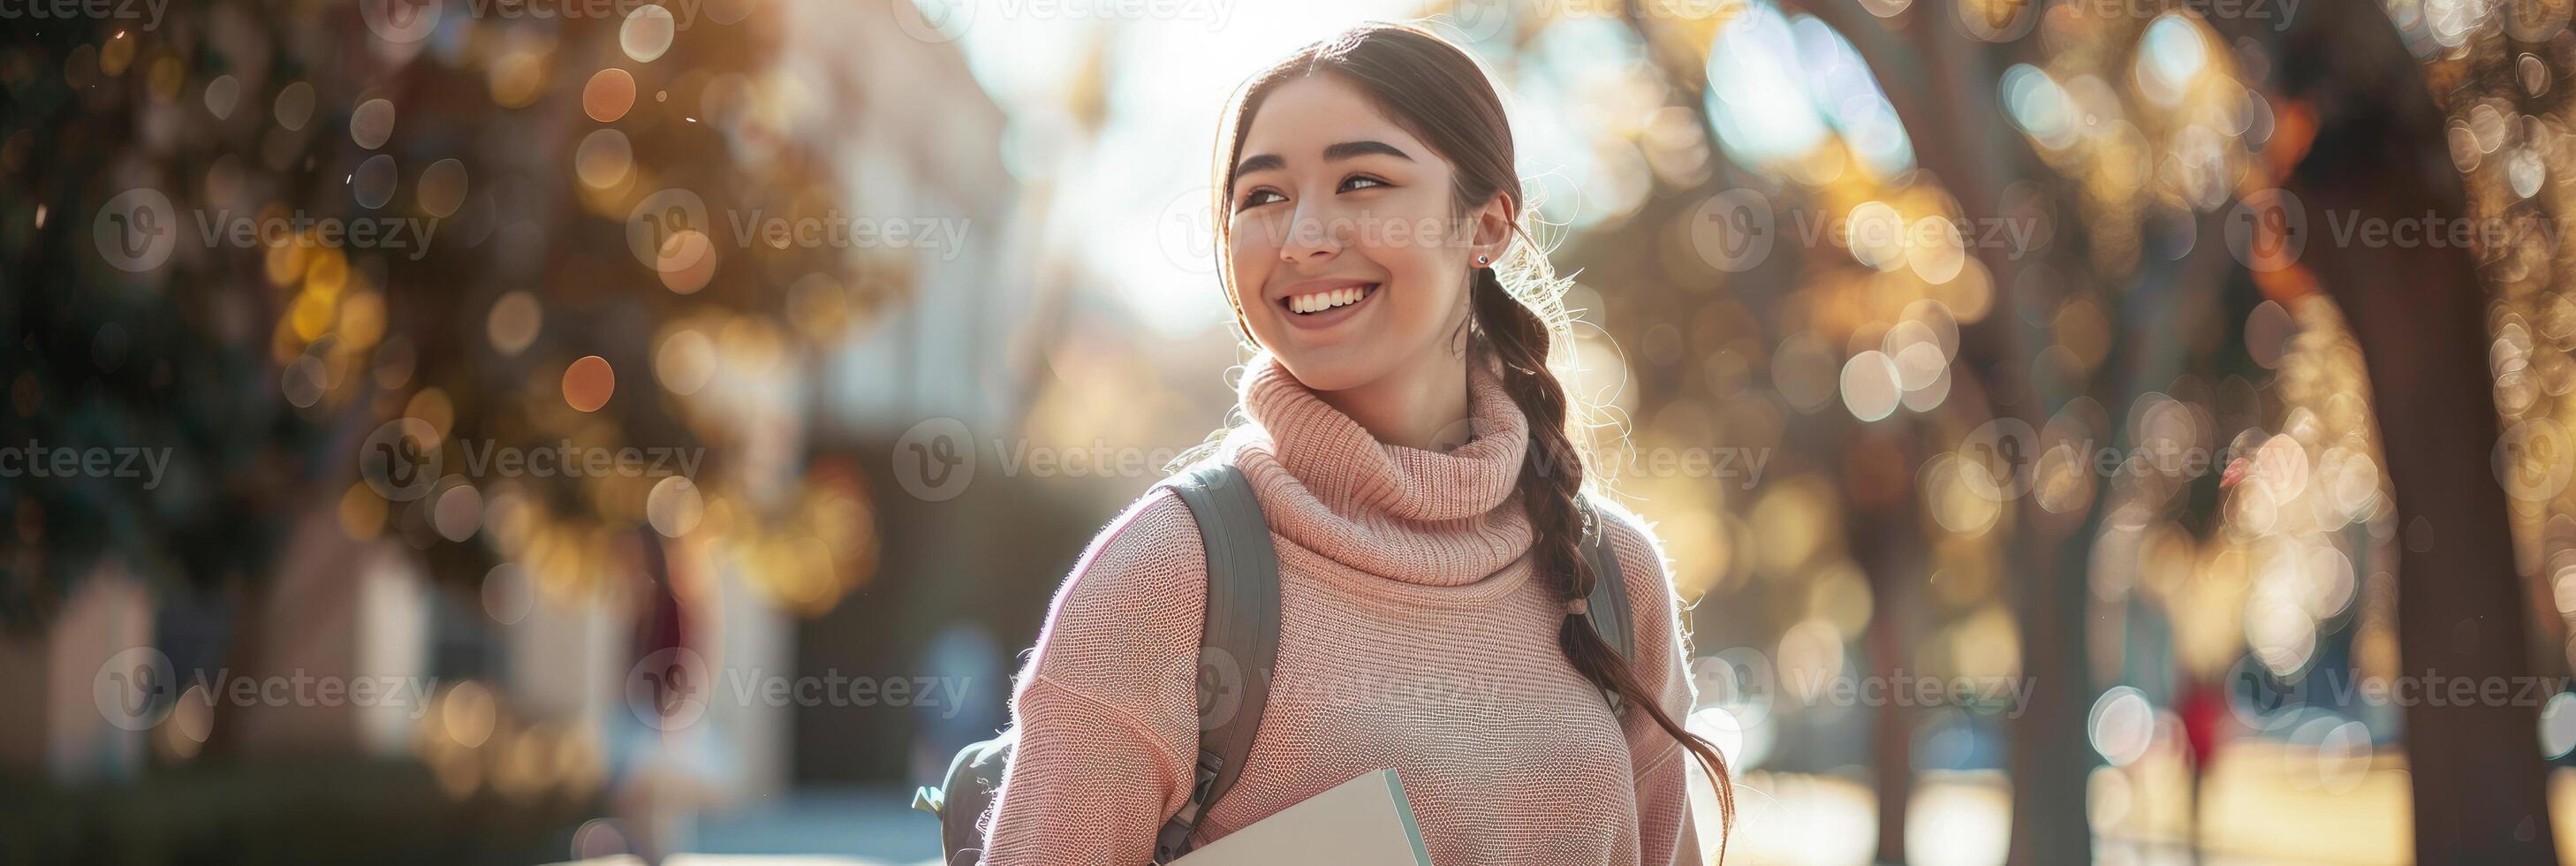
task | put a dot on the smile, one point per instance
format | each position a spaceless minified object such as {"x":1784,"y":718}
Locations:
{"x":1318,"y":309}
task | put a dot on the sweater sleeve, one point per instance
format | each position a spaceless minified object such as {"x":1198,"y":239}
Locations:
{"x":1666,"y":832}
{"x":1106,"y":707}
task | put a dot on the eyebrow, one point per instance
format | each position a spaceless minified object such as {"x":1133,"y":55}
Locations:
{"x":1332,"y":153}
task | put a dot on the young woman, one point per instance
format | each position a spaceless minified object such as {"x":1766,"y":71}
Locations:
{"x":1409,"y":448}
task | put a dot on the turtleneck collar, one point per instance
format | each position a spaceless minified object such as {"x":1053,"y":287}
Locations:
{"x":1437,"y":518}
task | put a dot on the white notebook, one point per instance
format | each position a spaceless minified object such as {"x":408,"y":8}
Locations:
{"x":1363,"y":822}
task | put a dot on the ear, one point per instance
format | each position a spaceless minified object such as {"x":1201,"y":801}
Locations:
{"x":1493,"y":229}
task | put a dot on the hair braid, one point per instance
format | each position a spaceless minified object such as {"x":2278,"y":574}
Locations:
{"x":1551,"y":476}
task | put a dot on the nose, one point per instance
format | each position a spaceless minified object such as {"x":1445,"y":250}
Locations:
{"x":1314,"y":233}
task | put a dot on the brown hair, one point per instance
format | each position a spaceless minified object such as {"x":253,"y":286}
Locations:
{"x":1441,"y":95}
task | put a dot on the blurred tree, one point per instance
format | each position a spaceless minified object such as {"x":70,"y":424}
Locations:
{"x":626,"y":252}
{"x":159,"y":366}
{"x":1936,"y":71}
{"x":2379,"y":151}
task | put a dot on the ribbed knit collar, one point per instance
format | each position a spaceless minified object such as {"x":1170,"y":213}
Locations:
{"x":1436,"y":518}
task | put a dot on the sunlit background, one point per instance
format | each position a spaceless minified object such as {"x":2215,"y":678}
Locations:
{"x":2037,"y":344}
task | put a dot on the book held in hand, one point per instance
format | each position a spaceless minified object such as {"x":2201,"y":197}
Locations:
{"x":1363,"y":822}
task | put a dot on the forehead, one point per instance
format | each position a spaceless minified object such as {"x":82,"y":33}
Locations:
{"x":1301,"y":117}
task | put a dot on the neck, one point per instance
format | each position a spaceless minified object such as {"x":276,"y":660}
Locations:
{"x":1412,"y":405}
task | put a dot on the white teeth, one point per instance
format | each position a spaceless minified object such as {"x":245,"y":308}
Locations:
{"x":1321,"y":301}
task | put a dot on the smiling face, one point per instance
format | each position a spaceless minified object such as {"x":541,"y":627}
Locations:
{"x":1345,"y":254}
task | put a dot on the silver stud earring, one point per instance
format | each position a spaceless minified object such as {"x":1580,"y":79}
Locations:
{"x":1480,"y":260}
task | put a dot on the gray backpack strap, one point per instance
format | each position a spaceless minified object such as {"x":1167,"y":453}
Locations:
{"x":1609,"y":597}
{"x":1239,"y":644}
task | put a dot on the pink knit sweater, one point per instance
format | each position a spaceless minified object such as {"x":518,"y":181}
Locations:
{"x":1411,"y":636}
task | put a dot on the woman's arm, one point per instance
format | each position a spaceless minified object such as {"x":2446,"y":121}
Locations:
{"x":1107,"y":708}
{"x":1665,"y":831}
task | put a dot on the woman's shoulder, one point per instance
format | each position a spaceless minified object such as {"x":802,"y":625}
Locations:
{"x":1126,"y":620}
{"x":1150,"y":552}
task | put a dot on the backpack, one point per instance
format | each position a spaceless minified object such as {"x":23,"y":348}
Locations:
{"x":1242,"y":633}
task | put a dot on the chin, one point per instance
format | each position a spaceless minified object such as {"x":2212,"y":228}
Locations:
{"x":1331,"y":369}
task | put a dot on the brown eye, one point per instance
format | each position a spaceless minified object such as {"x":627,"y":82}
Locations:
{"x":1253,"y":198}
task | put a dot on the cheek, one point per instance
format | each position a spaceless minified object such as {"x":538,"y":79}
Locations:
{"x":1428,"y":286}
{"x":1249,"y":259}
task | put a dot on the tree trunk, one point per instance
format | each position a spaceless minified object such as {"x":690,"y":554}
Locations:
{"x":2479,"y":784}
